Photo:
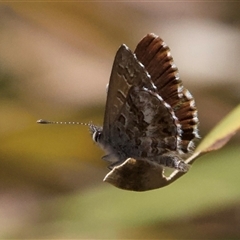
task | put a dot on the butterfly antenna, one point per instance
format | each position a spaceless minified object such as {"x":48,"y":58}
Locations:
{"x":41,"y":121}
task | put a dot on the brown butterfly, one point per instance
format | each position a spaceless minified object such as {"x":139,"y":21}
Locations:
{"x":150,"y":120}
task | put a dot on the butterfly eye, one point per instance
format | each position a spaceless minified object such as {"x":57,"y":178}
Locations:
{"x":97,"y":136}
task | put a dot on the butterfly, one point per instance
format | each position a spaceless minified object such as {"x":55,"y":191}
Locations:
{"x":150,"y":121}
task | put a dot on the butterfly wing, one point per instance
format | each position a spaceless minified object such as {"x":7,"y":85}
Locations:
{"x":138,"y":122}
{"x":155,"y":55}
{"x":126,"y":73}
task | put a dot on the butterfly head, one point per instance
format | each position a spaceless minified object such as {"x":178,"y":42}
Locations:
{"x":96,"y":133}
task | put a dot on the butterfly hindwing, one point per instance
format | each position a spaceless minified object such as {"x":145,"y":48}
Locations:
{"x":155,"y":55}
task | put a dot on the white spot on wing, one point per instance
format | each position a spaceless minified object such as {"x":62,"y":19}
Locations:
{"x":188,"y":94}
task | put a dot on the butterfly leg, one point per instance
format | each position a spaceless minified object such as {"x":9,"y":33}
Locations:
{"x":112,"y":160}
{"x":172,"y":160}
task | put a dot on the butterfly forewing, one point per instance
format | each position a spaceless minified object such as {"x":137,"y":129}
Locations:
{"x":126,"y":73}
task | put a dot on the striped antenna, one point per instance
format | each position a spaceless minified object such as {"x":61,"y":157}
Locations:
{"x":41,"y":121}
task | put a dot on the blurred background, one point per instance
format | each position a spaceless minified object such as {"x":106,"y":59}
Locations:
{"x":55,"y":62}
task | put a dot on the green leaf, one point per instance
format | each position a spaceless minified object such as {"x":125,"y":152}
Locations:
{"x":222,"y":133}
